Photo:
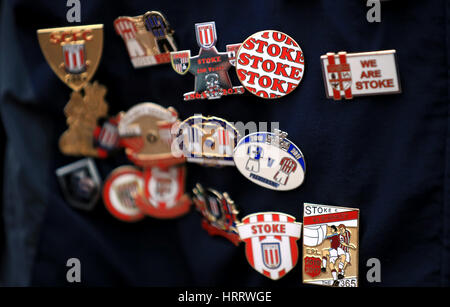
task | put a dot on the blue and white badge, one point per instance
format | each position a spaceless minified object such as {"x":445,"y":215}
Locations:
{"x":270,"y":160}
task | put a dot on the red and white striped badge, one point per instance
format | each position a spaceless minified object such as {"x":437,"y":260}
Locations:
{"x":121,"y":188}
{"x":206,"y":34}
{"x":74,"y":58}
{"x":348,"y":75}
{"x":271,"y":242}
{"x":125,"y":27}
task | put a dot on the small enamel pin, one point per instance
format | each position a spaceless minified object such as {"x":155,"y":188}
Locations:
{"x":146,"y":133}
{"x":270,"y":64}
{"x":330,"y":245}
{"x":271,"y":242}
{"x":219,"y":213}
{"x":163,"y":194}
{"x":106,"y":136}
{"x":270,"y":160}
{"x":209,"y":67}
{"x":120,"y":191}
{"x":74,"y":54}
{"x":348,"y":75}
{"x":207,"y":140}
{"x":80,"y":183}
{"x":148,"y":38}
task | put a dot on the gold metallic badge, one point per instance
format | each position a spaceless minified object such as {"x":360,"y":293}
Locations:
{"x":148,"y":38}
{"x":73,"y":52}
{"x":330,"y":245}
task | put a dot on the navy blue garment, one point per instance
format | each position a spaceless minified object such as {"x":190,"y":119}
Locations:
{"x":387,"y":155}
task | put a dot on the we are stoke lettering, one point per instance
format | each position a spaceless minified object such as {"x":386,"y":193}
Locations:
{"x":270,"y":64}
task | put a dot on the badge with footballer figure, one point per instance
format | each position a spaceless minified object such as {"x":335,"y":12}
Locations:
{"x":207,"y":140}
{"x":348,"y":75}
{"x":148,"y":38}
{"x":270,"y":64}
{"x":330,"y":245}
{"x":271,"y":242}
{"x":209,"y":67}
{"x":74,"y":54}
{"x":146,"y":133}
{"x":80,"y":183}
{"x":270,"y":160}
{"x":164,"y":196}
{"x":120,"y":190}
{"x":219,"y":213}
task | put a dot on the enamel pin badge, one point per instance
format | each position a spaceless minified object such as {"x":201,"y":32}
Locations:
{"x":219,"y":213}
{"x":207,"y":140}
{"x":80,"y":183}
{"x":146,"y":133}
{"x":330,"y":245}
{"x":163,"y":194}
{"x":270,"y":160}
{"x":348,"y":75}
{"x":120,"y":191}
{"x":271,"y":242}
{"x":148,"y":38}
{"x":209,"y":67}
{"x":270,"y":64}
{"x":73,"y":53}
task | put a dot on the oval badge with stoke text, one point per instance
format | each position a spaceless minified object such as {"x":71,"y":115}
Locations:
{"x":270,"y":160}
{"x":120,"y":191}
{"x":270,"y":64}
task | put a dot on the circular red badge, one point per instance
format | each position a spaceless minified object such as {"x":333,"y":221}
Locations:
{"x":270,"y":64}
{"x":121,"y":188}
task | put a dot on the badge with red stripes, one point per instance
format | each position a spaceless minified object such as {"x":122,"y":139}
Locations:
{"x":209,"y":67}
{"x":348,"y":75}
{"x":164,"y":196}
{"x":271,"y":242}
{"x":330,"y":245}
{"x":120,"y":191}
{"x":148,"y":38}
{"x":73,"y":53}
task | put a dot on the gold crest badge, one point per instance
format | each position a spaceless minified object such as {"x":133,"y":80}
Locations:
{"x":73,"y":53}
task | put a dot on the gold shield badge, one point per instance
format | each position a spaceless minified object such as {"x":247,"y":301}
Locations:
{"x":73,"y":52}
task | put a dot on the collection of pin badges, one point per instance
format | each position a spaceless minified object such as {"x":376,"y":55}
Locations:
{"x":269,"y":64}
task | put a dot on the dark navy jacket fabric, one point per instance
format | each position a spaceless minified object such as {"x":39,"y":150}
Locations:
{"x":387,"y":155}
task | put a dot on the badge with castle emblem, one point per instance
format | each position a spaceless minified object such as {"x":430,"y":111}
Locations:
{"x":270,"y":160}
{"x":120,"y":191}
{"x":74,"y":54}
{"x":164,"y":195}
{"x":348,"y":75}
{"x":207,"y":140}
{"x":219,"y":213}
{"x":330,"y":245}
{"x":271,"y":242}
{"x":148,"y":38}
{"x":146,"y":133}
{"x":209,"y":67}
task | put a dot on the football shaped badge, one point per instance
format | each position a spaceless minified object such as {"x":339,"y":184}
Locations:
{"x":270,"y":160}
{"x":207,"y":140}
{"x":209,"y":67}
{"x":219,"y":213}
{"x":148,"y":38}
{"x":330,"y":245}
{"x":271,"y":242}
